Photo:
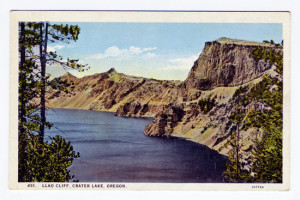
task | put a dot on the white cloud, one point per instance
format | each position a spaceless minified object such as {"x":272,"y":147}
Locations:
{"x":150,"y":55}
{"x":180,"y":64}
{"x":112,"y":52}
{"x":115,"y":51}
{"x":149,"y":49}
{"x":53,"y":49}
{"x":58,"y":47}
{"x":175,"y":67}
{"x":50,"y":49}
{"x":135,"y":50}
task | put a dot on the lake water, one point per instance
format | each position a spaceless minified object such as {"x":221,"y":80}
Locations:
{"x":115,"y":149}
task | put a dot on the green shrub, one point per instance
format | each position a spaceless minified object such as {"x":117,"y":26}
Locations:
{"x":207,"y":104}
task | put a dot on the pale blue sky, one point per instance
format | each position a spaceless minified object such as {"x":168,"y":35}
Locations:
{"x":154,"y":50}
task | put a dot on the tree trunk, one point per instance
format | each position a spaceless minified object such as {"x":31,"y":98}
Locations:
{"x":43,"y":60}
{"x":22,"y":111}
{"x":22,"y":78}
{"x":237,"y":152}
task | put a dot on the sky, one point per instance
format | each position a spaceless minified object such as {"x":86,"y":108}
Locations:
{"x":163,"y":51}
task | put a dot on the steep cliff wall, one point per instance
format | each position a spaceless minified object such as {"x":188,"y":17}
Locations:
{"x":209,"y":97}
{"x":225,"y":63}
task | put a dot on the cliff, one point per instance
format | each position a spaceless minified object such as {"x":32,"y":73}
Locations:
{"x":198,"y":109}
{"x":226,"y":62}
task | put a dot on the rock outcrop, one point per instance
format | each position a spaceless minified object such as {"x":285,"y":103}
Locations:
{"x":165,"y":121}
{"x":225,"y":63}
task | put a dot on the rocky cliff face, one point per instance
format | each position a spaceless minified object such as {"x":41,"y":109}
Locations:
{"x":226,"y":64}
{"x":222,"y":67}
{"x":220,"y":71}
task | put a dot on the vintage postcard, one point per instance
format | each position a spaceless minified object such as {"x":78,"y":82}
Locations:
{"x":107,"y":100}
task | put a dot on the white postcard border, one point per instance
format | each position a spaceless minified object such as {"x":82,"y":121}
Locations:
{"x":148,"y":16}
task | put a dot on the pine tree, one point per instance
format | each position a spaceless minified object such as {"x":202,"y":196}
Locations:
{"x":234,"y":168}
{"x":51,"y":33}
{"x":39,"y":160}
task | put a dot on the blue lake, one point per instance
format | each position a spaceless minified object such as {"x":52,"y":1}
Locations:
{"x":115,"y":149}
